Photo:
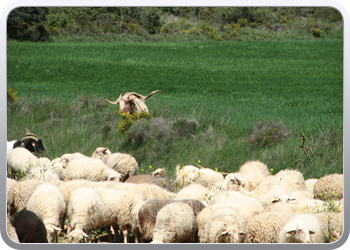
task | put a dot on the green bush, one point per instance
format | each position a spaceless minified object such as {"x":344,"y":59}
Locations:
{"x":267,"y":133}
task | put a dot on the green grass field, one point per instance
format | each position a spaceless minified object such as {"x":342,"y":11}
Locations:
{"x":226,"y":87}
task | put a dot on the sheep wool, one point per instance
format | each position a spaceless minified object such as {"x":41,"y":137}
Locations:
{"x":301,"y":228}
{"x":174,"y":224}
{"x":193,"y":191}
{"x":84,"y":212}
{"x":118,"y":209}
{"x":48,"y":204}
{"x":253,"y":173}
{"x":329,"y":187}
{"x":265,"y":227}
{"x":20,"y":194}
{"x":122,"y":163}
{"x":90,"y":169}
{"x":20,"y":159}
{"x":225,"y":225}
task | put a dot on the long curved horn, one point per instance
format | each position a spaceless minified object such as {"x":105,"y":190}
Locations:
{"x":116,"y":102}
{"x":156,"y":91}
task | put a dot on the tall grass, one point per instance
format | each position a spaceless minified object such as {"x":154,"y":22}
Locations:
{"x":226,"y":87}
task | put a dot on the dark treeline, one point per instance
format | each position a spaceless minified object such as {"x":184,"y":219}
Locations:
{"x":46,"y":23}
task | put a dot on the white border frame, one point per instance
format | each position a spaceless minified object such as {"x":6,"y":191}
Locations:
{"x":6,"y":7}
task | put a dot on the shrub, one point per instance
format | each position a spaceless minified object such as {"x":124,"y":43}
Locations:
{"x":267,"y":133}
{"x":129,"y":119}
{"x":154,"y":128}
{"x":185,"y":127}
{"x":316,"y":32}
{"x":11,"y":96}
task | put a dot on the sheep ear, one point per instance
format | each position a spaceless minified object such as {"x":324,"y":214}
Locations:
{"x":292,"y":199}
{"x":85,"y":235}
{"x":241,"y":233}
{"x":274,"y":201}
{"x":57,"y":228}
{"x":311,"y":232}
{"x":224,"y":232}
{"x":240,"y":180}
{"x":292,"y":232}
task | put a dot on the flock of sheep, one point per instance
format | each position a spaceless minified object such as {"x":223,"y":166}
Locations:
{"x":76,"y":194}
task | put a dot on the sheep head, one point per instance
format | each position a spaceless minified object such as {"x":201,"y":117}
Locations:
{"x":32,"y":142}
{"x":51,"y":231}
{"x":301,"y":234}
{"x":233,"y":179}
{"x":231,"y":235}
{"x":132,"y":102}
{"x":160,"y":172}
{"x":285,"y":199}
{"x":77,"y":235}
{"x":100,"y":152}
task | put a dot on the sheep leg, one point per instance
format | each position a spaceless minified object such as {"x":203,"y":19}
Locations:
{"x":126,"y":235}
{"x":108,"y":229}
{"x":117,"y":236}
{"x":137,"y":234}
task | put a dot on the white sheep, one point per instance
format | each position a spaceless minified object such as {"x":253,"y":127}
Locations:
{"x":203,"y":217}
{"x":120,"y":162}
{"x":185,"y":175}
{"x":11,"y":231}
{"x":246,"y":205}
{"x":11,"y":145}
{"x":147,"y":213}
{"x":90,"y":169}
{"x":301,"y":228}
{"x":20,"y":193}
{"x":265,"y":227}
{"x":193,"y":191}
{"x":160,"y":172}
{"x":249,"y":176}
{"x":174,"y":223}
{"x":209,"y":178}
{"x":310,"y":183}
{"x":48,"y":204}
{"x":286,"y":182}
{"x":70,"y":156}
{"x":43,"y":173}
{"x":282,"y":205}
{"x":9,"y":185}
{"x":332,"y":225}
{"x":225,"y":225}
{"x":21,"y":159}
{"x":84,"y":212}
{"x":329,"y":187}
{"x":118,"y":209}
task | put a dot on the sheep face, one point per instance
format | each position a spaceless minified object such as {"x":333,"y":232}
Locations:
{"x":100,"y":153}
{"x":285,"y":199}
{"x":76,"y":236}
{"x":233,"y":180}
{"x":231,"y":235}
{"x":301,"y":234}
{"x":51,"y":231}
{"x":160,"y":172}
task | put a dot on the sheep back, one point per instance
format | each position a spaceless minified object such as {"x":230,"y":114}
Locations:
{"x":265,"y":227}
{"x":174,"y":224}
{"x":20,"y":159}
{"x":329,"y":187}
{"x":162,"y":182}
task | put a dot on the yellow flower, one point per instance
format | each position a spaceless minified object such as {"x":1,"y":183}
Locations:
{"x":150,"y":166}
{"x":142,"y":170}
{"x":199,"y":161}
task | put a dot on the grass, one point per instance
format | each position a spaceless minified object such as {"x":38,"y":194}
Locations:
{"x":227,"y":87}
